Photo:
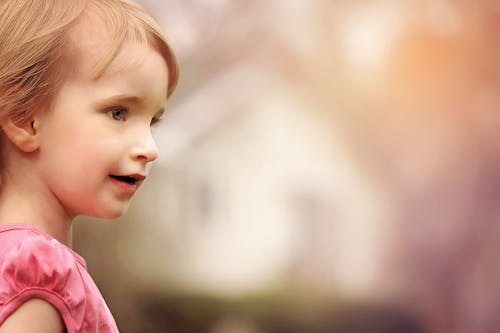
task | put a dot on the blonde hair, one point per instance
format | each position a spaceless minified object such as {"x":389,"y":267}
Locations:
{"x":36,"y":47}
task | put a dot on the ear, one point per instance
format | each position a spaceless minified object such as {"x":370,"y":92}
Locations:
{"x":22,"y":134}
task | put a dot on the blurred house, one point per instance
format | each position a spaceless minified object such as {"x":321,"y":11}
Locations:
{"x":254,"y":191}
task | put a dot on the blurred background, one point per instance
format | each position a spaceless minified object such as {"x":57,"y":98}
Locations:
{"x":325,"y":166}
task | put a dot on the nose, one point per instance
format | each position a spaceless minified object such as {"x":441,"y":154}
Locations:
{"x":145,"y":149}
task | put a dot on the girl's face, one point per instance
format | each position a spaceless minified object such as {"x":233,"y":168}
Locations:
{"x":96,"y":146}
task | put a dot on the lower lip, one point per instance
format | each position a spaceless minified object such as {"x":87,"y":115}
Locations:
{"x":123,"y":186}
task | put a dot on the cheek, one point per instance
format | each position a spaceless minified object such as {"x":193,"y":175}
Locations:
{"x":92,"y":153}
{"x":75,"y":152}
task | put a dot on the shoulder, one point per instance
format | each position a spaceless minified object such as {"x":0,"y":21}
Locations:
{"x":34,"y":266}
{"x":35,"y":260}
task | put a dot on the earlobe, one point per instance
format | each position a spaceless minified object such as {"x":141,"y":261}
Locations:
{"x":24,"y":135}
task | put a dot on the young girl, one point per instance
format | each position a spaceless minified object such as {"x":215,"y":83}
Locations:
{"x":81,"y":82}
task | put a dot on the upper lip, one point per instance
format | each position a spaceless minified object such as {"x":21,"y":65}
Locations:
{"x":137,"y":176}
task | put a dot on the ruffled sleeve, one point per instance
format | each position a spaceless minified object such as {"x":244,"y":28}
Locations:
{"x":42,"y":268}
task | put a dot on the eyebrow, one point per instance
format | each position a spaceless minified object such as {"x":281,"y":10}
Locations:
{"x":125,"y":98}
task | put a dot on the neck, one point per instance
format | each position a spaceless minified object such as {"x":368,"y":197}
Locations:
{"x":24,"y":199}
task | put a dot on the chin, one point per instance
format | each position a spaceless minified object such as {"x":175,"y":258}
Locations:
{"x":109,"y":213}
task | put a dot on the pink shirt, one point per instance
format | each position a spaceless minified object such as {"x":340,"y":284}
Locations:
{"x":35,"y":265}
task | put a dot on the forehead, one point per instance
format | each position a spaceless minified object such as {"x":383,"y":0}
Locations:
{"x":112,"y":60}
{"x":98,"y":34}
{"x":98,"y":37}
{"x":135,"y":69}
{"x":90,"y":37}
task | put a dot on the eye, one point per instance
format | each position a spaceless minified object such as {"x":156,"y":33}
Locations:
{"x":118,"y":114}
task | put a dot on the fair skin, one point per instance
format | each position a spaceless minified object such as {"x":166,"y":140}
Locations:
{"x":34,"y":316}
{"x":71,"y":159}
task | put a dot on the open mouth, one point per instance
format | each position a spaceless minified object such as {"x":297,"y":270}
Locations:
{"x":126,"y":179}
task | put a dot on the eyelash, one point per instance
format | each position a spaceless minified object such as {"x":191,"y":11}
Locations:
{"x":154,"y":121}
{"x":114,"y":113}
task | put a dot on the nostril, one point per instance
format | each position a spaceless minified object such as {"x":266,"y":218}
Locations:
{"x":147,"y":155}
